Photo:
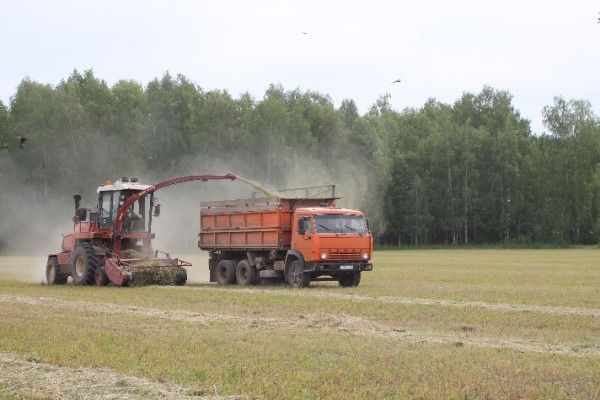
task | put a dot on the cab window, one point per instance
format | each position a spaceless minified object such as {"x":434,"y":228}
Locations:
{"x":109,"y":204}
{"x":335,"y":223}
{"x":106,"y":204}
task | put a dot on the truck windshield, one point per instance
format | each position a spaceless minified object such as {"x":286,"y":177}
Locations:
{"x":340,"y":224}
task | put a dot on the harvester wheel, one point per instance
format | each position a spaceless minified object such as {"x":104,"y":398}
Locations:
{"x":226,"y":272}
{"x":100,"y":277}
{"x":53,"y":274}
{"x":84,"y":263}
{"x":181,"y":278}
{"x":350,"y":280}
{"x":246,"y":274}
{"x":295,"y":275}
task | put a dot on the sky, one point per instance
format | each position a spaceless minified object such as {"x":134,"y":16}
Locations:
{"x":352,"y":49}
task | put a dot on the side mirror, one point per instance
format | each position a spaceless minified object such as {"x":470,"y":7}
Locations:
{"x":157,"y":210}
{"x":301,"y":226}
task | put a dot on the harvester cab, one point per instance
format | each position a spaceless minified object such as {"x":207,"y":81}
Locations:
{"x":113,"y":242}
{"x":137,"y":217}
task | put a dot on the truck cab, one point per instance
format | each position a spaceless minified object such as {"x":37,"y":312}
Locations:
{"x":332,"y":241}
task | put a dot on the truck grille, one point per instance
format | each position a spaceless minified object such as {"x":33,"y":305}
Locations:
{"x":335,"y":254}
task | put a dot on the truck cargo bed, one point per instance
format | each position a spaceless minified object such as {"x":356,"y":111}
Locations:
{"x":251,"y":224}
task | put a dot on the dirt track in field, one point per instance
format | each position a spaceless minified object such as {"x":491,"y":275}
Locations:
{"x":591,"y":312}
{"x":343,"y":324}
{"x":28,"y":376}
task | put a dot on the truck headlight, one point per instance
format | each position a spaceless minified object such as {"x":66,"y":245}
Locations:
{"x":366,"y":256}
{"x":323,"y":256}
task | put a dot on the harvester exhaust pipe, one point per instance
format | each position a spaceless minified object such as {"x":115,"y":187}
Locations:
{"x":77,"y":198}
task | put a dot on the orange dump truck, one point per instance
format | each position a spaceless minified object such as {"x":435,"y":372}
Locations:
{"x":296,"y":239}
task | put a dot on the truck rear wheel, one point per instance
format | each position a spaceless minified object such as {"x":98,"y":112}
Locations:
{"x":295,"y":275}
{"x":350,"y":280}
{"x":226,"y":272}
{"x":83,"y":264}
{"x":246,"y":274}
{"x":53,"y":274}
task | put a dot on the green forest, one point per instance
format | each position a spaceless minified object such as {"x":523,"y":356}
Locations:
{"x":466,"y":173}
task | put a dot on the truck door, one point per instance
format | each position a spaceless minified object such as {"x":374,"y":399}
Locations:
{"x":302,"y":236}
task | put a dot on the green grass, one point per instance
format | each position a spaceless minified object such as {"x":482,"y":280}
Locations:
{"x":567,"y":328}
{"x":284,"y":364}
{"x":297,"y":363}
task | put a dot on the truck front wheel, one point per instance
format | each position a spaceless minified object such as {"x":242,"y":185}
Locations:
{"x":226,"y":272}
{"x":295,"y":275}
{"x":349,"y":280}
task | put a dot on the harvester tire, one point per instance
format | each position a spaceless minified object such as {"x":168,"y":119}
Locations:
{"x":226,"y":272}
{"x":350,"y":280}
{"x":181,"y":278}
{"x":53,"y":274}
{"x":84,"y":263}
{"x":246,"y":274}
{"x":295,"y":275}
{"x":100,"y":277}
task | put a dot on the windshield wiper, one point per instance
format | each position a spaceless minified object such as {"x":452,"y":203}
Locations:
{"x":354,"y":229}
{"x":328,"y":229}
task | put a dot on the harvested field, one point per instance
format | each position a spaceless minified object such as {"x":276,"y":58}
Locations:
{"x":28,"y":377}
{"x":593,"y":312}
{"x":318,"y":321}
{"x":423,"y":324}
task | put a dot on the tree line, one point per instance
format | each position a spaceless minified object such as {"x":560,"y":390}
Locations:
{"x":470,"y":172}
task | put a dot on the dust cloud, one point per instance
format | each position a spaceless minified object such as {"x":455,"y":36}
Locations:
{"x":33,"y":217}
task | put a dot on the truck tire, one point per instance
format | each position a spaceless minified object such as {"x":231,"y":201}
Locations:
{"x":100,"y":277}
{"x":84,"y":263}
{"x":246,"y":274}
{"x":226,"y":272}
{"x":53,"y":274}
{"x":349,"y":280}
{"x":295,"y":275}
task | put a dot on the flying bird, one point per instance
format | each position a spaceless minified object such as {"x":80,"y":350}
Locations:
{"x":4,"y":146}
{"x":397,"y":81}
{"x":304,"y":33}
{"x":22,"y":140}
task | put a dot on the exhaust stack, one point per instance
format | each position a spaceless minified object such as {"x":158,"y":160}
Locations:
{"x":77,"y":198}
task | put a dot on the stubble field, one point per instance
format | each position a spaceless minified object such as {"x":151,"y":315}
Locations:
{"x":424,"y":324}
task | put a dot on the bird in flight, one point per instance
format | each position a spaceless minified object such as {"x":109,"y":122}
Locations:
{"x":4,"y":146}
{"x":397,"y":81}
{"x":304,"y":33}
{"x":22,"y":141}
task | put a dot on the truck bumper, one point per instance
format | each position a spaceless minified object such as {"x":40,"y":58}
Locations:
{"x":337,"y":266}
